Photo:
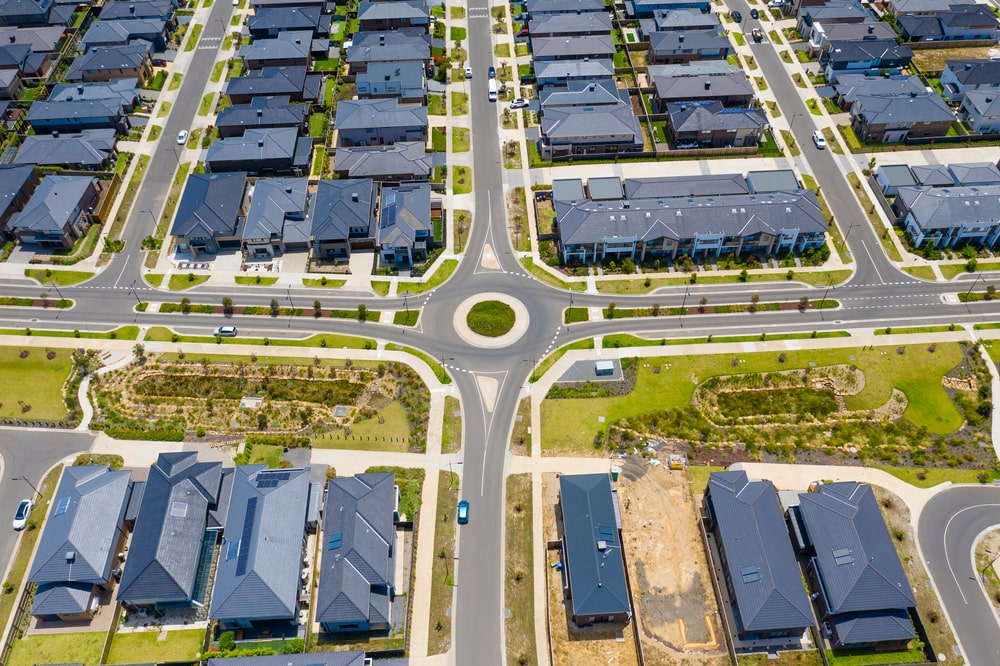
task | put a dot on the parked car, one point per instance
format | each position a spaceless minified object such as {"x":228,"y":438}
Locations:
{"x":159,"y":62}
{"x":736,"y":16}
{"x":819,"y":140}
{"x":468,"y":72}
{"x":758,"y":36}
{"x":463,"y":512}
{"x":529,"y":79}
{"x":226,"y":331}
{"x":518,"y":103}
{"x":182,"y":137}
{"x":493,"y":72}
{"x":22,"y":514}
{"x":523,"y":33}
{"x":774,"y":4}
{"x":754,"y":14}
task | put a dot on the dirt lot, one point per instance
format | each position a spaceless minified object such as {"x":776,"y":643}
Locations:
{"x":675,"y":605}
{"x":986,"y":560}
{"x":933,"y":60}
{"x":598,"y":645}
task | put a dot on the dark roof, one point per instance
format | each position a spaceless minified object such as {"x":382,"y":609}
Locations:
{"x":403,"y":211}
{"x":868,"y":49}
{"x":117,"y":31}
{"x":852,"y":86}
{"x":365,"y":113}
{"x":682,"y":88}
{"x":269,"y":81}
{"x":284,"y":18}
{"x":593,"y":549}
{"x":266,"y":143}
{"x":125,"y":91}
{"x":278,"y":210}
{"x":127,"y":9}
{"x":59,"y":599}
{"x":350,"y":658}
{"x":406,"y":44}
{"x":583,"y":93}
{"x":563,"y":6}
{"x":684,"y":41}
{"x":711,"y":116}
{"x":986,"y":103}
{"x":764,"y":577}
{"x":53,"y":204}
{"x":82,"y":529}
{"x":572,"y":23}
{"x":975,"y":173}
{"x":581,"y":123}
{"x":578,"y":46}
{"x":275,"y":111}
{"x":166,"y":543}
{"x":944,"y":207}
{"x":975,"y":72}
{"x":679,"y":186}
{"x":896,"y":175}
{"x":78,"y":110}
{"x":912,"y":108}
{"x":935,"y":175}
{"x":358,"y":553}
{"x":678,"y":19}
{"x":857,"y":563}
{"x":210,"y":205}
{"x":288,"y":45}
{"x":261,"y":556}
{"x":41,"y":38}
{"x":592,"y":70}
{"x":127,"y":56}
{"x":398,"y":9}
{"x":13,"y":179}
{"x":920,"y":26}
{"x":403,"y":158}
{"x":340,"y":205}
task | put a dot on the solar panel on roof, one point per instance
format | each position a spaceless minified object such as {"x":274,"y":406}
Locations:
{"x":62,"y":506}
{"x":843,"y":556}
{"x":179,"y":509}
{"x":751,"y":574}
{"x":241,"y":562}
{"x":233,"y":549}
{"x":336,"y":541}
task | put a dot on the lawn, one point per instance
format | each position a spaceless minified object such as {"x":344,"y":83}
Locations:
{"x":33,"y":385}
{"x":435,"y":105}
{"x":164,"y":110}
{"x":951,"y":270}
{"x":443,"y":272}
{"x":457,"y":33}
{"x":164,"y":334}
{"x":451,"y":432}
{"x":461,"y":182}
{"x":518,"y":572}
{"x":154,"y":133}
{"x":120,"y":333}
{"x":502,"y":50}
{"x":793,"y":148}
{"x":61,"y":278}
{"x":922,"y":272}
{"x":175,"y":81}
{"x":410,"y":481}
{"x":83,"y":648}
{"x":387,"y":431}
{"x":186,"y":281}
{"x":569,"y":425}
{"x":866,"y":658}
{"x":323,"y":282}
{"x":929,"y":477}
{"x":406,"y":317}
{"x":206,"y":104}
{"x":490,"y":318}
{"x":255,"y":280}
{"x":459,"y":104}
{"x":639,"y":287}
{"x":195,"y":34}
{"x":460,"y":140}
{"x":443,"y":570}
{"x":265,"y":454}
{"x":439,"y":139}
{"x":145,"y":647}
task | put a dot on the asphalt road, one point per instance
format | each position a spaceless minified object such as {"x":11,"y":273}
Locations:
{"x":29,"y":454}
{"x":949,"y":526}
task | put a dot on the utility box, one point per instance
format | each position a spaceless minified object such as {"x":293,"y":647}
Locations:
{"x":604,"y":368}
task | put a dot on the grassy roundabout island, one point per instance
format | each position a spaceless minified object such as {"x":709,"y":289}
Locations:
{"x":490,"y":318}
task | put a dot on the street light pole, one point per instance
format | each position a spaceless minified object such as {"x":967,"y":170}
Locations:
{"x":21,"y":478}
{"x":56,"y":287}
{"x":970,"y":290}
{"x":132,"y":288}
{"x":822,"y":305}
{"x":982,"y":574}
{"x":684,"y":304}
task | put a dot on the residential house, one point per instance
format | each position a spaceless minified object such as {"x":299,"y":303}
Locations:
{"x":406,"y":223}
{"x":119,"y":32}
{"x":981,"y":110}
{"x":570,"y":25}
{"x":703,"y":185}
{"x":20,"y":58}
{"x":580,"y":94}
{"x":117,"y":10}
{"x":262,"y":113}
{"x":294,"y":82}
{"x":675,"y":47}
{"x":961,"y":76}
{"x":597,"y":47}
{"x":277,"y":218}
{"x":267,"y":4}
{"x":59,"y":212}
{"x":694,"y":68}
{"x":394,"y":15}
{"x":944,"y":217}
{"x":835,"y":11}
{"x":17,"y":183}
{"x":956,"y":24}
{"x":733,"y":90}
{"x":288,"y":49}
{"x":410,"y":44}
{"x":370,"y":122}
{"x":882,"y":118}
{"x":401,"y":162}
{"x":10,"y":84}
{"x":867,"y":56}
{"x":258,"y":577}
{"x":358,"y":576}
{"x":21,"y":13}
{"x":821,"y":34}
{"x":646,"y":8}
{"x":975,"y":173}
{"x":709,"y":124}
{"x":211,"y":213}
{"x":863,"y":597}
{"x":87,"y":149}
{"x":932,"y":175}
{"x":43,"y":41}
{"x":849,"y":87}
{"x":580,"y":130}
{"x":763,"y":583}
{"x":261,"y":151}
{"x":890,"y":177}
{"x":80,"y":114}
{"x":77,"y":552}
{"x":348,"y":658}
{"x":174,"y":540}
{"x":404,"y":81}
{"x":341,"y":218}
{"x":923,"y":7}
{"x":671,"y":225}
{"x":542,"y":7}
{"x":270,"y":22}
{"x":125,"y":91}
{"x":593,"y":575}
{"x":129,"y":61}
{"x":562,"y":73}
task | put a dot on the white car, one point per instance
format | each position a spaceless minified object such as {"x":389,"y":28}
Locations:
{"x":819,"y":140}
{"x":468,"y":72}
{"x":236,"y":3}
{"x":182,"y":137}
{"x":775,"y":3}
{"x":518,"y":103}
{"x":226,"y":331}
{"x":22,"y":514}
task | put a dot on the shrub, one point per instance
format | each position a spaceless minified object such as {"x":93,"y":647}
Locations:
{"x":227,"y":641}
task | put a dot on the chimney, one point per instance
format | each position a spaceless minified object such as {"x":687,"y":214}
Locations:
{"x":79,"y":89}
{"x":288,"y":189}
{"x":131,"y":9}
{"x":871,"y":29}
{"x":968,"y":65}
{"x":381,"y":40}
{"x":13,"y":38}
{"x":708,"y":85}
{"x":354,"y":197}
{"x":260,"y":143}
{"x":260,"y":113}
{"x":680,"y":38}
{"x":55,"y":134}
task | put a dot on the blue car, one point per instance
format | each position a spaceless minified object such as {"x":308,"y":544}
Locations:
{"x":463,"y":512}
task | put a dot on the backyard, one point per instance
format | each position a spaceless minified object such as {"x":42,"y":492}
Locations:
{"x":74,"y":648}
{"x":156,"y":647}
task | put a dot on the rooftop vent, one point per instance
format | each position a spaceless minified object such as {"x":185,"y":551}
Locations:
{"x":602,"y":545}
{"x":708,"y":85}
{"x":70,"y":556}
{"x":354,"y":197}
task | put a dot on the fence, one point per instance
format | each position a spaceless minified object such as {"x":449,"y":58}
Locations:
{"x":112,"y":631}
{"x":718,"y":590}
{"x":635,"y":608}
{"x":13,"y":633}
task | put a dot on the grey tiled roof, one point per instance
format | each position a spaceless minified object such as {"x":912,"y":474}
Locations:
{"x":403,"y":211}
{"x":919,"y":6}
{"x":89,"y":148}
{"x":563,"y":6}
{"x":339,"y":205}
{"x":593,"y":69}
{"x":678,"y":19}
{"x":855,"y":558}
{"x":163,"y":559}
{"x":286,"y":46}
{"x":121,"y":31}
{"x":53,"y":204}
{"x":681,"y":41}
{"x":935,"y":175}
{"x":758,"y":554}
{"x":585,"y":122}
{"x":986,"y":103}
{"x":274,"y":111}
{"x":696,"y":68}
{"x":88,"y":510}
{"x":13,"y":179}
{"x":571,"y":23}
{"x":851,"y":86}
{"x":285,"y":18}
{"x":128,"y":9}
{"x":854,"y":31}
{"x":269,"y":81}
{"x":79,"y":110}
{"x":596,"y":575}
{"x":681,"y":88}
{"x":385,"y":46}
{"x":41,"y":38}
{"x":57,"y":599}
{"x":349,"y":658}
{"x":706,"y":117}
{"x":261,"y":556}
{"x":583,"y":93}
{"x":126,"y":91}
{"x":398,"y":9}
{"x":689,"y":186}
{"x":210,"y":205}
{"x":357,"y":549}
{"x":877,"y":50}
{"x":912,"y":108}
{"x":944,"y":207}
{"x":278,"y":209}
{"x":362,"y":113}
{"x":581,"y":46}
{"x":975,"y":72}
{"x":405,"y":158}
{"x":256,"y":144}
{"x":128,"y":56}
{"x":975,"y":173}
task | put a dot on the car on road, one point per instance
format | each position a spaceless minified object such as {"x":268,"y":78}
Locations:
{"x":518,"y":103}
{"x":463,"y":512}
{"x":236,"y":3}
{"x":758,"y":36}
{"x":819,"y":140}
{"x":737,"y":16}
{"x":468,"y":72}
{"x":493,"y":73}
{"x":22,"y":514}
{"x":226,"y":331}
{"x":774,"y":4}
{"x":182,"y":137}
{"x":754,"y":14}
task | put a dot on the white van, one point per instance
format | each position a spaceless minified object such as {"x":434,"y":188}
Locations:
{"x":493,"y":90}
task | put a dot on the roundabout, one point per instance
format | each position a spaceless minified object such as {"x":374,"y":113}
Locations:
{"x":491,"y":320}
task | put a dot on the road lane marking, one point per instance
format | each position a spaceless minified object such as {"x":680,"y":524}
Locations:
{"x":871,"y":261}
{"x":947,"y":554}
{"x":127,"y":257}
